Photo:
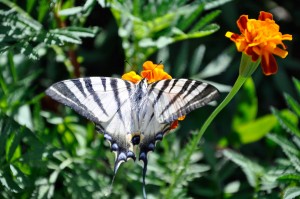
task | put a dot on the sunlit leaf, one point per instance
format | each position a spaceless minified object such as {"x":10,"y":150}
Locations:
{"x":70,"y":11}
{"x":288,"y":121}
{"x":291,"y":192}
{"x":256,"y":129}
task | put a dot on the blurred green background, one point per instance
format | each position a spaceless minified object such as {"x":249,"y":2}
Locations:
{"x":251,"y":150}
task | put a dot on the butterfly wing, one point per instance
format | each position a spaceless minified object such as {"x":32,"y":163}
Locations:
{"x":96,"y":98}
{"x":106,"y":102}
{"x":173,"y":98}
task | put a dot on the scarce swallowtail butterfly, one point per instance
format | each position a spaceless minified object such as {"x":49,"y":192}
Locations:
{"x":130,"y":114}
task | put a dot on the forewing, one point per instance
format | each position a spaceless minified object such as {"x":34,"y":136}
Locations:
{"x":173,"y":98}
{"x":96,"y":98}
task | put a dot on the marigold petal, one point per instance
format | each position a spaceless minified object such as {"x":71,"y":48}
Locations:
{"x":281,"y":53}
{"x":181,"y":118}
{"x":269,"y":64}
{"x":265,"y":15}
{"x":148,"y":65}
{"x":131,"y":76}
{"x":251,"y":52}
{"x":242,"y":23}
{"x":287,"y":37}
{"x":229,"y":34}
{"x":174,"y":124}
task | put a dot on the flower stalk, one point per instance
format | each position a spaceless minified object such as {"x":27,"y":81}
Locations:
{"x":236,"y":87}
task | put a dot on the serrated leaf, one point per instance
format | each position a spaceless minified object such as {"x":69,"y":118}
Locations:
{"x":204,"y":32}
{"x":294,"y":159}
{"x":189,"y":19}
{"x":204,"y":21}
{"x":293,"y":104}
{"x":70,"y":11}
{"x":289,"y":177}
{"x":297,"y":85}
{"x":26,"y":49}
{"x":81,"y":31}
{"x":66,"y":36}
{"x":288,"y":121}
{"x":215,"y":3}
{"x":251,"y":169}
{"x":291,"y":193}
{"x":7,"y":182}
{"x":283,"y":142}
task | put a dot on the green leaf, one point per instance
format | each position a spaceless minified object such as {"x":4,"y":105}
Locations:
{"x":12,"y":145}
{"x":284,"y":143}
{"x":43,"y":8}
{"x":205,"y":20}
{"x":293,"y":104}
{"x":70,"y":11}
{"x":204,"y":32}
{"x":297,"y":85}
{"x":66,"y":36}
{"x":288,"y":121}
{"x":81,"y":31}
{"x":189,"y":19}
{"x":255,"y":130}
{"x":251,"y":169}
{"x":29,"y":5}
{"x":289,"y":177}
{"x":291,"y":193}
{"x":215,"y":3}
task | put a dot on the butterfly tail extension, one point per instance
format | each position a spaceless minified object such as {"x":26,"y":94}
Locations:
{"x":143,"y":157}
{"x":122,"y":150}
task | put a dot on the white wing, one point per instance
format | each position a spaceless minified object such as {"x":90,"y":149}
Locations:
{"x":174,"y":98}
{"x":96,"y":98}
{"x":107,"y":102}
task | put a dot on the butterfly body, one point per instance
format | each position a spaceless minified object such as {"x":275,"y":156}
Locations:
{"x":131,"y":114}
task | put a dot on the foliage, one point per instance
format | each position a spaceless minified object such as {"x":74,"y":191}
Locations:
{"x":286,"y":173}
{"x":48,"y":151}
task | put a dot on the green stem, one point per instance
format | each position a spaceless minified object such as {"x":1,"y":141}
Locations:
{"x":194,"y":143}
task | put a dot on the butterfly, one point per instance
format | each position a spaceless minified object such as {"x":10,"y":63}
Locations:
{"x":129,"y":114}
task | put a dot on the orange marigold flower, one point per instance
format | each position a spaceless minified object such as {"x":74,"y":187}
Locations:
{"x":260,"y":38}
{"x":132,"y":76}
{"x":152,"y":72}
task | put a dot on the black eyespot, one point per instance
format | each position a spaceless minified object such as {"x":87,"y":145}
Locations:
{"x":136,"y":139}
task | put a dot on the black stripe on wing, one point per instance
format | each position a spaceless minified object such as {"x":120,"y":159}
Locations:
{"x":62,"y":93}
{"x":89,"y":87}
{"x":176,"y":97}
{"x":114,"y":84}
{"x":184,"y":96}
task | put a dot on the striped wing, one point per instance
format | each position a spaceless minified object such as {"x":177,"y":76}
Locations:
{"x":174,"y":98}
{"x":96,"y":98}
